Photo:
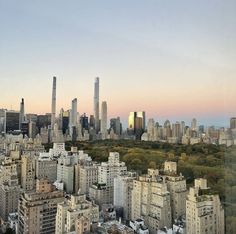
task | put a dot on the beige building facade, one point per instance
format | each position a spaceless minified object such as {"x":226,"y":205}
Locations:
{"x":151,"y":201}
{"x":37,"y":209}
{"x":204,"y":212}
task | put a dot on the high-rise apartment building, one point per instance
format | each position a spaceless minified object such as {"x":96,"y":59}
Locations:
{"x":53,"y":110}
{"x":37,"y":209}
{"x":22,"y":111}
{"x":104,"y":120}
{"x":101,"y":194}
{"x":9,"y":189}
{"x":44,"y":135}
{"x":107,"y":171}
{"x":123,"y":185}
{"x":204,"y":212}
{"x":32,"y":130}
{"x":65,"y":174}
{"x":46,"y":168}
{"x":167,"y":132}
{"x":73,"y":115}
{"x":9,"y":195}
{"x":9,"y":168}
{"x":72,"y":208}
{"x":176,"y":131}
{"x":96,"y":104}
{"x":85,"y":176}
{"x":151,"y":129}
{"x":28,"y":171}
{"x":176,"y":185}
{"x":151,"y":200}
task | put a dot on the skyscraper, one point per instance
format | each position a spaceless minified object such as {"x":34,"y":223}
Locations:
{"x":84,"y":122}
{"x":12,"y":121}
{"x":65,"y":121}
{"x":73,"y":117}
{"x":136,"y":124}
{"x":233,"y":123}
{"x":116,"y":125}
{"x":141,"y":114}
{"x":194,"y":124}
{"x":22,"y":111}
{"x":96,"y":103}
{"x":131,"y":120}
{"x":104,"y":120}
{"x":53,"y":116}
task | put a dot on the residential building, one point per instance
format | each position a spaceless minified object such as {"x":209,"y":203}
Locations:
{"x":37,"y":209}
{"x":28,"y":171}
{"x":123,"y":185}
{"x":46,"y":167}
{"x":204,"y":212}
{"x":72,"y":208}
{"x":9,"y":194}
{"x":151,"y":200}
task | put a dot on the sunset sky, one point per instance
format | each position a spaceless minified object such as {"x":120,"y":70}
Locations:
{"x":173,"y":59}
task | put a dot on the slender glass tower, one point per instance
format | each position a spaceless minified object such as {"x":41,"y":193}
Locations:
{"x":74,"y":112}
{"x":96,"y":104}
{"x":22,"y":111}
{"x":53,"y":112}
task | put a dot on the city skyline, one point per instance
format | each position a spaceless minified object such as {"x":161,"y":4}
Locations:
{"x":207,"y":121}
{"x":172,"y":61}
{"x":118,"y":117}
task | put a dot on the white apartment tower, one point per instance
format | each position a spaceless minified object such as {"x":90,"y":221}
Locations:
{"x":107,"y":171}
{"x":85,"y":176}
{"x":151,"y":201}
{"x":176,"y":185}
{"x":123,"y":185}
{"x":204,"y":212}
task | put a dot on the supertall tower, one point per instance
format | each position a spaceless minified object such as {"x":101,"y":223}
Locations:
{"x":104,"y":120}
{"x":74,"y":112}
{"x":96,"y":103}
{"x":53,"y":113}
{"x":22,"y":111}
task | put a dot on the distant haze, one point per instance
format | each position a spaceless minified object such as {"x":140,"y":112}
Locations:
{"x":172,"y":59}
